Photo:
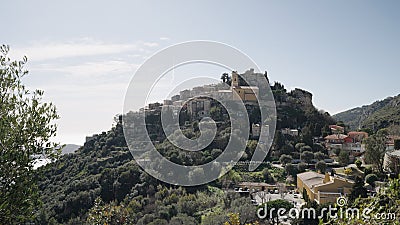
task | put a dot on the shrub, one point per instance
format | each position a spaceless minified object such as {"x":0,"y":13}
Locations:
{"x":371,"y":178}
{"x":358,"y":163}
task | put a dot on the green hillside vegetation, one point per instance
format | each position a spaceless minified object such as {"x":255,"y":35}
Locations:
{"x":388,"y":116}
{"x":380,"y":114}
{"x":101,"y":177}
{"x":101,"y":183}
{"x":295,"y":110}
{"x":384,"y":206}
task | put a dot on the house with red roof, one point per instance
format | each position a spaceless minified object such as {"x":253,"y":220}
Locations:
{"x":352,"y":142}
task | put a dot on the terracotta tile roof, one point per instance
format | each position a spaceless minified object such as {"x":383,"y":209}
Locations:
{"x":336,"y":137}
{"x":353,"y":134}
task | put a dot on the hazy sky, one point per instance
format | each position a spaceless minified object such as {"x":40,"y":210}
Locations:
{"x":84,"y":53}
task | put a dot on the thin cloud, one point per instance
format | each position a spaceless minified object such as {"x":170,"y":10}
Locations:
{"x":164,"y":38}
{"x":150,"y":44}
{"x":77,"y":48}
{"x":91,"y":69}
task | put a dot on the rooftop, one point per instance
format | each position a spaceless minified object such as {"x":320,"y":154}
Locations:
{"x":311,"y":178}
{"x":354,"y":134}
{"x":336,"y":127}
{"x":255,"y":184}
{"x":309,"y":175}
{"x":336,"y":137}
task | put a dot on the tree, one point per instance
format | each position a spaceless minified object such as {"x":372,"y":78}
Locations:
{"x":397,"y":144}
{"x":245,"y":209}
{"x":326,"y":131}
{"x":371,"y":178}
{"x":318,"y":147}
{"x":216,"y":113}
{"x":307,"y":156}
{"x":267,"y":176}
{"x":301,"y":167}
{"x":287,"y":149}
{"x":279,"y":140}
{"x":393,"y":164}
{"x":251,"y":146}
{"x":230,"y":178}
{"x":295,"y":155}
{"x":307,"y":135}
{"x":299,"y":145}
{"x":341,"y":124}
{"x":358,"y":163}
{"x":306,"y":148}
{"x":107,"y":179}
{"x":291,"y":169}
{"x":358,"y":189}
{"x":367,"y":130}
{"x":26,"y":126}
{"x":320,"y":156}
{"x":234,"y":219}
{"x":321,"y":166}
{"x":382,"y":201}
{"x":344,"y":158}
{"x":107,"y":213}
{"x":285,"y":159}
{"x":337,"y":151}
{"x":375,"y":149}
{"x":367,"y":170}
{"x":226,"y":79}
{"x":215,"y":153}
{"x":182,"y":219}
{"x":321,"y":215}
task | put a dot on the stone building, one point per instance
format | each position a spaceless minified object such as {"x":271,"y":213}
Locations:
{"x":199,"y":107}
{"x":244,"y":93}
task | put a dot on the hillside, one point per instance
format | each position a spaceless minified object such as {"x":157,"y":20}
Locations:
{"x":296,"y":110}
{"x":378,"y":115}
{"x":102,"y":184}
{"x":102,"y":175}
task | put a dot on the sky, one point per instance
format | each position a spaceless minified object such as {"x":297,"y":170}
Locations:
{"x":83,"y":54}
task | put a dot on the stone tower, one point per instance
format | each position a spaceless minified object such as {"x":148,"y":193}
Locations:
{"x":235,"y":79}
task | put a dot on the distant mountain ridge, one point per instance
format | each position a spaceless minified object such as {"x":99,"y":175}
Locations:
{"x":378,"y":115}
{"x":69,"y":148}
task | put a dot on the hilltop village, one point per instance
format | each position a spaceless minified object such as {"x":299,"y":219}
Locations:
{"x":314,"y":160}
{"x":321,"y":160}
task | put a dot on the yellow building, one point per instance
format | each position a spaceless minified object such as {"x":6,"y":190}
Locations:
{"x":245,"y":93}
{"x":323,"y":188}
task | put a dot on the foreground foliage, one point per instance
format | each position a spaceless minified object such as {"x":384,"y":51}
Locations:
{"x":26,"y":126}
{"x":384,"y":204}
